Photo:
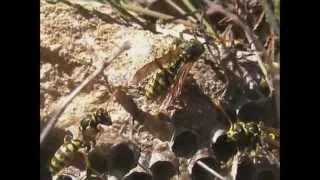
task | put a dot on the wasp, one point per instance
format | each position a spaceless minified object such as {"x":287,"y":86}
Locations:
{"x":170,"y":70}
{"x":64,"y":155}
{"x":248,"y":137}
{"x":89,"y":128}
{"x":244,"y":133}
{"x":94,"y":119}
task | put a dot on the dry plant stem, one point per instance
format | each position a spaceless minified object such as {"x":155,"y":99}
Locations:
{"x":188,"y":15}
{"x":214,"y":8}
{"x":213,"y":172}
{"x":271,"y":17}
{"x":209,"y":29}
{"x":124,"y":12}
{"x":199,"y":17}
{"x":57,"y":112}
{"x":144,"y":11}
{"x":180,"y":10}
{"x":220,"y":107}
{"x":259,"y":21}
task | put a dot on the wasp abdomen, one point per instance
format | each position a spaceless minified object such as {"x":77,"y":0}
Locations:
{"x":64,"y":155}
{"x":161,"y":81}
{"x":157,"y":84}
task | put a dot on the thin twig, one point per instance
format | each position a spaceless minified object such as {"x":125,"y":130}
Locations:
{"x":210,"y":170}
{"x":179,"y":9}
{"x":200,"y":18}
{"x":209,"y":31}
{"x":181,"y":17}
{"x":271,"y":18}
{"x":57,"y":112}
{"x":145,"y":11}
{"x":255,"y":27}
{"x":215,"y":8}
{"x":124,"y":12}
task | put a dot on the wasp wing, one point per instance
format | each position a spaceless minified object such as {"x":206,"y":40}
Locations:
{"x":154,"y":65}
{"x":176,"y":89}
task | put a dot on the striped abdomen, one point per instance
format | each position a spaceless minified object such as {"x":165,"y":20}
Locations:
{"x":64,"y":155}
{"x":244,"y":133}
{"x":162,"y":80}
{"x":92,"y":120}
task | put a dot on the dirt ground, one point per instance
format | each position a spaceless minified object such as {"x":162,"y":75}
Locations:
{"x":72,"y":42}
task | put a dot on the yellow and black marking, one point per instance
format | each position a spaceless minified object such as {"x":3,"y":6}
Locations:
{"x":89,"y":130}
{"x":157,"y":84}
{"x":64,"y":155}
{"x":250,"y":133}
{"x":272,"y":134}
{"x":100,"y":116}
{"x":161,"y":80}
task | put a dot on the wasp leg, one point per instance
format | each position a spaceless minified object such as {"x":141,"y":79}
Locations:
{"x":93,"y":143}
{"x":100,"y":129}
{"x":139,"y":129}
{"x":88,"y":166}
{"x":68,"y":137}
{"x":86,"y":147}
{"x":89,"y":170}
{"x":89,"y":146}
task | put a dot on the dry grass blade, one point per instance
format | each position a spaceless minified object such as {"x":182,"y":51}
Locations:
{"x":124,"y":12}
{"x":255,"y":27}
{"x":180,"y":10}
{"x":147,"y":12}
{"x":54,"y":116}
{"x":271,"y":17}
{"x":213,"y":172}
{"x":200,"y":18}
{"x":216,"y":8}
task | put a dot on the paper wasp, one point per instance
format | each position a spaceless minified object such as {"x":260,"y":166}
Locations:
{"x":89,"y":129}
{"x":170,"y":70}
{"x":90,"y":126}
{"x":244,"y":133}
{"x":246,"y":137}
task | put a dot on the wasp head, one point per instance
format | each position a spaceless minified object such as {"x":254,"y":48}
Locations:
{"x":102,"y":117}
{"x":92,"y":120}
{"x":235,"y":131}
{"x":194,"y":48}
